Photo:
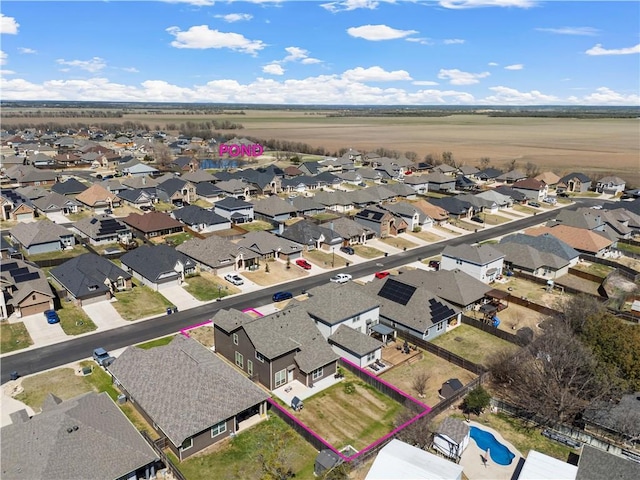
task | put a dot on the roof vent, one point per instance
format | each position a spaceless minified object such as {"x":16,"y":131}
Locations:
{"x":75,"y":427}
{"x":69,"y":430}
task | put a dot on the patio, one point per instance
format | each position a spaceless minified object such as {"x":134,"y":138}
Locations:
{"x":297,"y":389}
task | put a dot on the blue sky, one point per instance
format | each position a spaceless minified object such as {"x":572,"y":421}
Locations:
{"x":366,"y":52}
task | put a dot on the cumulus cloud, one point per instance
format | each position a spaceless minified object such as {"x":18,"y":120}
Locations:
{"x":8,"y":25}
{"x":420,"y":40}
{"x":348,"y":5}
{"x":590,"y":31}
{"x":131,"y":69}
{"x":511,"y":96}
{"x":202,"y":37}
{"x":517,"y":66}
{"x":273,"y":69}
{"x":606,"y":96}
{"x":598,"y":50}
{"x":197,"y":3}
{"x":453,"y":41}
{"x":460,"y":4}
{"x":3,"y":57}
{"x":493,"y":64}
{"x":425,"y":83}
{"x":375,"y":74}
{"x":235,"y":17}
{"x":376,"y":33}
{"x":94,"y":65}
{"x":26,"y":51}
{"x":458,"y":77}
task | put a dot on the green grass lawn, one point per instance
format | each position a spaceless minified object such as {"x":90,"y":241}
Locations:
{"x":204,"y":289}
{"x":178,"y":238}
{"x":595,"y":269}
{"x":74,"y":320}
{"x":240,"y":457}
{"x":323,"y":217}
{"x":629,"y":248}
{"x":325,"y":259}
{"x":524,"y":209}
{"x":140,"y":302}
{"x":74,"y":252}
{"x":257,"y":225}
{"x":163,"y":207}
{"x":398,"y":242}
{"x":367,"y":252}
{"x":472,"y":343}
{"x":13,"y":336}
{"x":158,"y":342}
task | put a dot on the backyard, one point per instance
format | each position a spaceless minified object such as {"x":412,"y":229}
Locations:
{"x":13,"y":336}
{"x":203,"y":334}
{"x":257,"y":225}
{"x":350,"y":413}
{"x":77,"y":250}
{"x":515,"y":317}
{"x":140,"y":302}
{"x":532,"y":291}
{"x":472,"y":344}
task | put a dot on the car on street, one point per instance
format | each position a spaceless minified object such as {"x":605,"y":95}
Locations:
{"x":347,"y":250}
{"x":51,"y":316}
{"x":534,"y":204}
{"x":102,"y":357}
{"x":233,"y":278}
{"x":381,"y":274}
{"x":596,"y":207}
{"x":302,"y":263}
{"x":477,"y":219}
{"x":341,"y":278}
{"x":280,"y":296}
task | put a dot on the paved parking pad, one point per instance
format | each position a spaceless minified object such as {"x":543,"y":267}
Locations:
{"x":104,"y":315}
{"x":41,"y":332}
{"x":180,"y":297}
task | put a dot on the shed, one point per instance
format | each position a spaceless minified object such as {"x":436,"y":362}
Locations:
{"x":450,"y":387}
{"x":326,"y":460}
{"x":451,"y":438}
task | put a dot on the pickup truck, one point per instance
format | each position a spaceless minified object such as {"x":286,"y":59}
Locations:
{"x":102,"y":357}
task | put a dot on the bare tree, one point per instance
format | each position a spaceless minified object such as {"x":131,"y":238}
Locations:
{"x":531,"y":169}
{"x":484,"y":162}
{"x":511,"y":165}
{"x":577,"y":309}
{"x":447,"y":158}
{"x":162,"y":153}
{"x":275,"y":458}
{"x":411,"y":155}
{"x":419,"y":383}
{"x":418,"y":433}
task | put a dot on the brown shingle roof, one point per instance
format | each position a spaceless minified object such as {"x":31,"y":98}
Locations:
{"x":151,"y":222}
{"x":578,"y":238}
{"x":96,"y":194}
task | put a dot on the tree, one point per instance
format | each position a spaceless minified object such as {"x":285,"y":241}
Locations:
{"x":447,"y":158}
{"x":419,"y":383}
{"x":511,"y":165}
{"x":162,"y":154}
{"x":531,"y":169}
{"x":476,"y":401}
{"x":275,"y":457}
{"x":339,"y":472}
{"x":484,"y":162}
{"x":411,"y":155}
{"x":418,"y":433}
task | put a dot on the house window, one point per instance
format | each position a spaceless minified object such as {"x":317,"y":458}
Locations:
{"x":218,"y":429}
{"x":235,"y":339}
{"x":440,"y":326}
{"x":371,"y":357}
{"x":249,"y":367}
{"x":260,"y":357}
{"x":317,"y":373}
{"x":239,"y":360}
{"x":458,"y":261}
{"x":187,"y":444}
{"x":355,"y":319}
{"x":281,"y":377}
{"x":33,"y":297}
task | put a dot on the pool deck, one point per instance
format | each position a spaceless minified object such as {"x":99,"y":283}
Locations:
{"x":472,"y":463}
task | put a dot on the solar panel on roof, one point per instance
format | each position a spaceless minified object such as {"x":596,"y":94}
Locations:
{"x":440,"y":311}
{"x":397,"y":291}
{"x":7,"y":267}
{"x":19,"y":271}
{"x":26,"y":277}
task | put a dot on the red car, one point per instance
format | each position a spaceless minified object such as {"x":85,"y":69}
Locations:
{"x":303,"y":264}
{"x":381,"y":274}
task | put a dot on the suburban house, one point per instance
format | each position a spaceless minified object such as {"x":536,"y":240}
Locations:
{"x":580,"y":239}
{"x":41,"y":237}
{"x":275,"y":349}
{"x":153,"y":224}
{"x":209,"y":192}
{"x":609,"y":418}
{"x":267,"y":245}
{"x":199,"y":176}
{"x":550,"y":178}
{"x":306,"y":206}
{"x":138,"y":197}
{"x":445,"y":169}
{"x":312,"y":236}
{"x":69,"y":187}
{"x":15,"y":206}
{"x":411,"y":307}
{"x":176,"y":191}
{"x":451,"y":438}
{"x":611,"y":185}
{"x":28,"y":175}
{"x":382,"y":222}
{"x":574,"y":182}
{"x":482,"y":262}
{"x":90,"y":278}
{"x":102,"y":439}
{"x":236,"y":188}
{"x":516,"y":195}
{"x":420,"y":183}
{"x":310,"y":168}
{"x":137,"y":169}
{"x":437,"y":214}
{"x":534,"y":189}
{"x":526,"y":258}
{"x":601,"y":221}
{"x":25,"y":289}
{"x":201,"y":220}
{"x":273,"y":209}
{"x":98,"y":198}
{"x":218,"y":255}
{"x":263,"y":181}
{"x":415,"y":218}
{"x":440,"y":182}
{"x":547,"y":244}
{"x":510,"y":177}
{"x":238,"y":211}
{"x":103,"y":229}
{"x":352,"y":232}
{"x":200,"y":400}
{"x":56,"y":202}
{"x":338,"y":201}
{"x":158,"y":266}
{"x":488,"y":174}
{"x":454,"y":206}
{"x":468,"y":170}
{"x":494,"y":198}
{"x":5,"y":248}
{"x":538,"y":466}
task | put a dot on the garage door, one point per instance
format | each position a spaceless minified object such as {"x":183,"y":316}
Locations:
{"x":33,"y":309}
{"x":169,"y":283}
{"x":24,"y":217}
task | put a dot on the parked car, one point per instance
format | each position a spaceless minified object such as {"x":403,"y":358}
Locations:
{"x":341,"y":278}
{"x":147,"y":208}
{"x":534,"y":204}
{"x":435,"y":264}
{"x":563,"y":195}
{"x":301,"y":262}
{"x":51,"y":316}
{"x":597,"y":207}
{"x":347,"y":250}
{"x":280,"y":296}
{"x":108,"y":211}
{"x":233,"y":278}
{"x":550,"y":200}
{"x":102,"y":357}
{"x":381,"y":274}
{"x":477,"y":219}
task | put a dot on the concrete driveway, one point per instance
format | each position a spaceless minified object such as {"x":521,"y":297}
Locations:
{"x":180,"y":297}
{"x":104,"y":315}
{"x":41,"y":332}
{"x":58,"y":217}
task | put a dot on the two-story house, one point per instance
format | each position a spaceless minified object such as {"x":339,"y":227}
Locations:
{"x":238,"y":211}
{"x":482,"y":262}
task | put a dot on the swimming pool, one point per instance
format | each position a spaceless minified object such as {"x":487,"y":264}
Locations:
{"x":498,"y":452}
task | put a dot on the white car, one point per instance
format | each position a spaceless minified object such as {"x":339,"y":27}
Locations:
{"x":233,"y":278}
{"x":341,"y":278}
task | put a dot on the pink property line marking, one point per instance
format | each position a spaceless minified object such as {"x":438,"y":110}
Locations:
{"x":252,"y":310}
{"x":426,"y":410}
{"x":186,"y":329}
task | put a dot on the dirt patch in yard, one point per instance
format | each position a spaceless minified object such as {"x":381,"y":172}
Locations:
{"x":515,"y":317}
{"x":203,"y":334}
{"x":398,"y":242}
{"x":278,"y":272}
{"x":427,"y":236}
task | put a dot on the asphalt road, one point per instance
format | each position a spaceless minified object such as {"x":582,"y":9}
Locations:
{"x":44,"y":358}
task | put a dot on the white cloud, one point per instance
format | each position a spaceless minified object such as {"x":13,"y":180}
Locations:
{"x":3,"y":57}
{"x":8,"y":25}
{"x":606,"y":96}
{"x":94,"y":65}
{"x":375,"y":74}
{"x":453,"y":41}
{"x":458,"y":77}
{"x":202,"y":37}
{"x":295,"y":53}
{"x":348,"y":5}
{"x":235,"y":17}
{"x":131,"y":69}
{"x":7,"y":72}
{"x":511,"y":96}
{"x":425,"y":83}
{"x":598,"y":50}
{"x":493,"y":64}
{"x":590,"y":31}
{"x":420,"y":40}
{"x":378,"y":32}
{"x":197,"y":3}
{"x":273,"y":69}
{"x":517,"y":66}
{"x":460,"y":4}
{"x":311,"y":60}
{"x":26,"y":51}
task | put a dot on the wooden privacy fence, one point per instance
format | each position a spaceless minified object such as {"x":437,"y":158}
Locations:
{"x":509,"y":337}
{"x":623,"y":270}
{"x":158,"y":447}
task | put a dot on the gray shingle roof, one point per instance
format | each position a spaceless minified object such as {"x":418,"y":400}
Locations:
{"x":97,"y":226}
{"x":354,"y":341}
{"x":333,"y":303}
{"x":230,"y":320}
{"x":194,"y":215}
{"x":544,"y":243}
{"x":596,"y":464}
{"x":305,"y":232}
{"x":69,"y":186}
{"x":265,"y":243}
{"x":454,"y":428}
{"x":454,"y":286}
{"x":273,"y":206}
{"x":526,"y":256}
{"x":86,"y":274}
{"x":104,"y":446}
{"x":22,"y":289}
{"x":214,"y":251}
{"x":303,"y":204}
{"x":184,"y":387}
{"x":347,"y":228}
{"x":35,"y":233}
{"x":155,"y":262}
{"x":479,"y":255}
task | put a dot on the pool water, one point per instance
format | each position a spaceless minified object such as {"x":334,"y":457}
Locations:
{"x":499,"y":453}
